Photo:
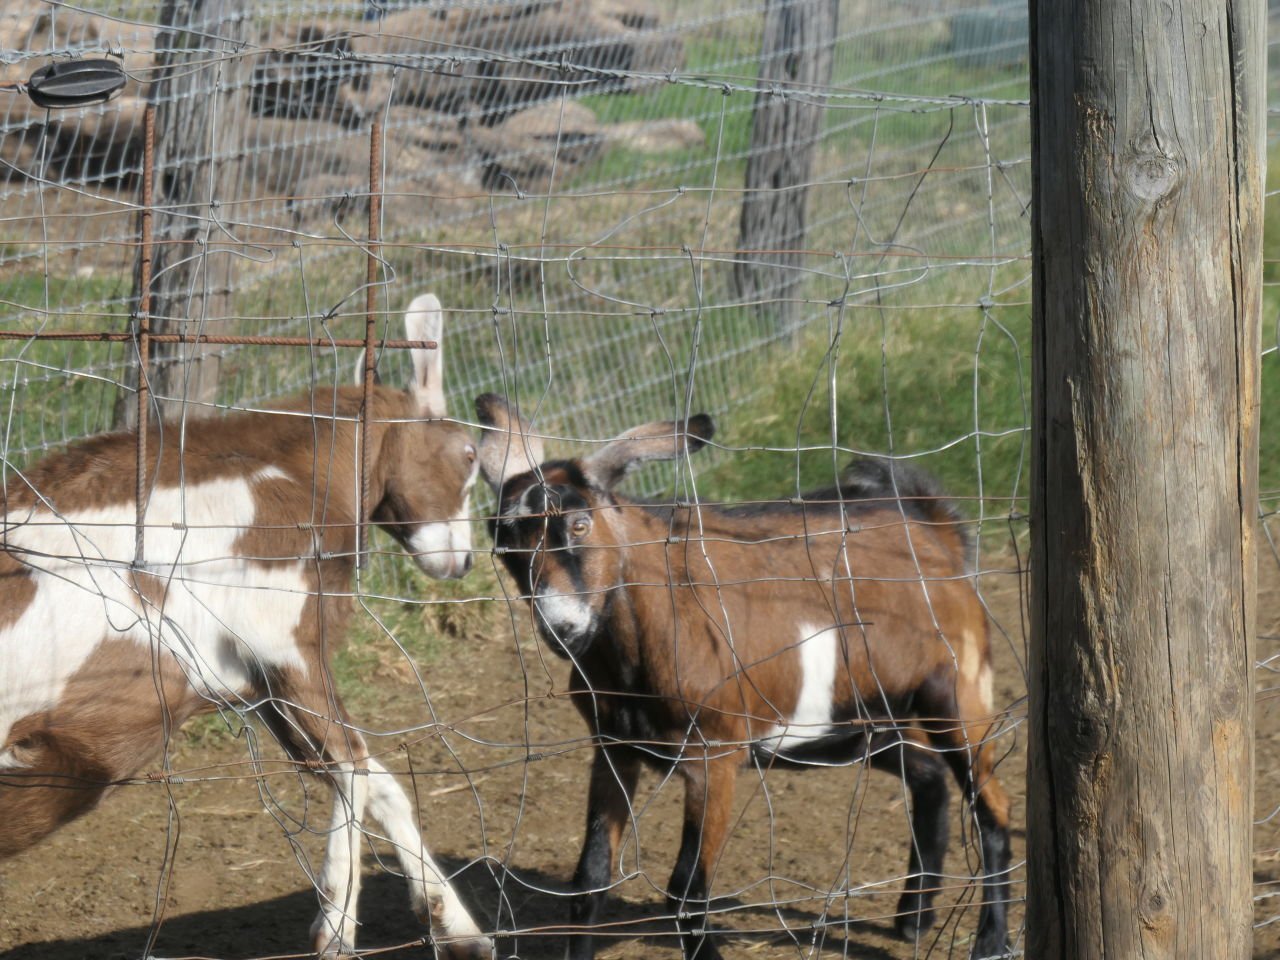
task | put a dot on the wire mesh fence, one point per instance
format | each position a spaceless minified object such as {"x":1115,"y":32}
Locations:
{"x":569,"y":177}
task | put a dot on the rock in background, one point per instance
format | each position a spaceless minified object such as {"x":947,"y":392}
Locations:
{"x":474,"y":97}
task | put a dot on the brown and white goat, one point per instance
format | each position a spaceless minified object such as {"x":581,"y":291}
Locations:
{"x":843,"y":627}
{"x":245,"y":589}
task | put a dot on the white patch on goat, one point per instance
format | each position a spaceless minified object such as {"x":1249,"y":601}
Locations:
{"x":525,"y":507}
{"x":442,"y":548}
{"x":565,"y":616}
{"x":221,"y":618}
{"x":427,"y":882}
{"x":970,"y":656}
{"x":985,"y":691}
{"x":811,"y":719}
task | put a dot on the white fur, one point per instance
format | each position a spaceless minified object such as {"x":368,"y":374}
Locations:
{"x":334,"y":931}
{"x":424,"y":320}
{"x":970,"y":656}
{"x":522,"y":508}
{"x":525,"y":507}
{"x":985,"y":685}
{"x":221,"y":618}
{"x":812,"y":716}
{"x":390,"y":807}
{"x":443,"y":549}
{"x":566,"y":617}
{"x":974,"y":668}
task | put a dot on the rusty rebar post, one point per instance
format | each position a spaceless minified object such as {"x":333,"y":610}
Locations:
{"x":234,"y":339}
{"x":142,"y":328}
{"x":370,"y":331}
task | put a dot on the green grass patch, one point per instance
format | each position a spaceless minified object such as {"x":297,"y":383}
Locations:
{"x":58,"y":390}
{"x":944,"y":389}
{"x":1269,"y":433}
{"x":397,"y":640}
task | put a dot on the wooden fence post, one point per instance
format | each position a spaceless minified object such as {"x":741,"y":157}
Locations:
{"x":1148,"y":125}
{"x":198,"y":132}
{"x":796,"y":55}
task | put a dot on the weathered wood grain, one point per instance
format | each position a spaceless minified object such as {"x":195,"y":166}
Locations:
{"x":1148,"y":121}
{"x":795,"y":66}
{"x":193,"y":267}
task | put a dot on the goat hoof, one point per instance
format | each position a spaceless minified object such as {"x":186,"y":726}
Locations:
{"x":704,"y":950}
{"x":990,"y":948}
{"x":476,"y":948}
{"x":911,"y":924}
{"x":328,"y":944}
{"x":335,"y":950}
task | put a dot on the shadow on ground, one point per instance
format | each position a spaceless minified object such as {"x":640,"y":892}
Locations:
{"x":531,"y":902}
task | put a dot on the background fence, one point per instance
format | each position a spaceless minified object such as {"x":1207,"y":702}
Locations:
{"x":602,"y":200}
{"x":569,"y":176}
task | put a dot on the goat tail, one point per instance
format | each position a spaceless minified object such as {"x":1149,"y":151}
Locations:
{"x":919,"y":493}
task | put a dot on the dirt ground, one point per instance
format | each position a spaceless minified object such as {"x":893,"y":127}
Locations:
{"x":210,"y":867}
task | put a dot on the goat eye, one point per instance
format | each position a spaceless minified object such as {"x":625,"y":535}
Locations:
{"x":471,"y":453}
{"x":580,"y":527}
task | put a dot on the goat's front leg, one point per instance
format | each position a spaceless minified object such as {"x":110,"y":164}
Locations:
{"x":708,"y":804}
{"x":614,"y":772}
{"x":334,"y":932}
{"x":435,"y":902}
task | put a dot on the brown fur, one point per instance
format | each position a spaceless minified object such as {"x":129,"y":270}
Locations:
{"x":111,"y":720}
{"x":720,"y":650}
{"x":694,"y":648}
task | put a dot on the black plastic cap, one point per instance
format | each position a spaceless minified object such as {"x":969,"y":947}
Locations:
{"x":74,"y":83}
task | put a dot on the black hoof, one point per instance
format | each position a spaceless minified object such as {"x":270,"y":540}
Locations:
{"x":700,"y":949}
{"x":990,"y":948}
{"x":911,"y":922}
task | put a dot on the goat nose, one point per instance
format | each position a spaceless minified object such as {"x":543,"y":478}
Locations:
{"x":465,"y":566}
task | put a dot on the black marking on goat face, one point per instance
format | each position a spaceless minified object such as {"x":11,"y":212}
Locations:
{"x":543,"y":534}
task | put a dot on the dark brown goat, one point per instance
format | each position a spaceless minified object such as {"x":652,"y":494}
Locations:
{"x":844,"y":627}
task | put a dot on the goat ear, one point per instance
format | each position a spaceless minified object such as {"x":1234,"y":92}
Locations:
{"x":507,"y":448}
{"x":424,"y":320}
{"x":662,"y":440}
{"x":359,"y":373}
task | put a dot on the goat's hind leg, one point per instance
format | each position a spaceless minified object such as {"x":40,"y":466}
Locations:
{"x":434,"y":900}
{"x":42,"y":794}
{"x":968,"y":749}
{"x":57,"y":765}
{"x":906,"y":754}
{"x":300,"y":718}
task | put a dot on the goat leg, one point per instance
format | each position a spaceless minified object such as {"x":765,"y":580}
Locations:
{"x":708,"y":804}
{"x":925,"y":775}
{"x":614,"y":773}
